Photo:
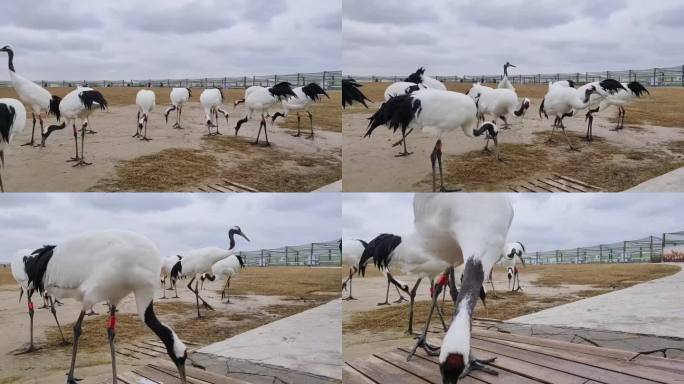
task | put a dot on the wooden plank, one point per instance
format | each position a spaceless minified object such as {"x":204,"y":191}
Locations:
{"x":531,"y":187}
{"x":246,"y":188}
{"x":581,"y":348}
{"x":577,"y":182}
{"x":352,"y":376}
{"x":559,"y":364}
{"x":419,"y":366}
{"x":616,"y":365}
{"x":202,"y":190}
{"x":544,"y":186}
{"x":230,"y":188}
{"x":672,"y":365}
{"x":568,"y":184}
{"x":382,"y":372}
{"x":557,"y":185}
{"x":155,"y":375}
{"x":214,"y":189}
{"x":527,"y":189}
{"x":195,"y":373}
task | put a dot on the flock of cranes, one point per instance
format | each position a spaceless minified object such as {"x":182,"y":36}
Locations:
{"x":420,"y":102}
{"x":105,"y":267}
{"x":80,"y":104}
{"x":468,"y":231}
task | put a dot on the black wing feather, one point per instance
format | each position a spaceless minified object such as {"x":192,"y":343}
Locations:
{"x":611,"y":86}
{"x":314,"y":91}
{"x":396,"y":112}
{"x":282,"y":90}
{"x":637,"y":88}
{"x":352,"y":93}
{"x":36,"y":266}
{"x":7,"y":116}
{"x":90,"y":97}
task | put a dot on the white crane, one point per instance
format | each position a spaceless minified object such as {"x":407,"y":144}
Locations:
{"x":179,"y":96}
{"x":512,"y":252}
{"x":498,"y":103}
{"x":434,"y":112}
{"x":199,"y":261}
{"x":105,"y":266}
{"x":305,"y":96}
{"x":450,"y":230}
{"x":261,"y":100}
{"x":351,"y":93}
{"x":19,"y":273}
{"x":167,"y":266}
{"x":146,"y":101}
{"x":12,"y":122}
{"x":561,"y":102}
{"x":212,"y":103}
{"x":369,"y":249}
{"x":78,"y":104}
{"x":227,"y":269}
{"x":612,"y":93}
{"x":351,"y":254}
{"x":37,"y":98}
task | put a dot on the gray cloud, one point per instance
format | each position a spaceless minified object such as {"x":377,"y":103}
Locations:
{"x":174,"y":222}
{"x":514,"y":14}
{"x":388,"y":11}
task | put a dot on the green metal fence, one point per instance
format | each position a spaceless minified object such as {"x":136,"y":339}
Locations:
{"x":654,"y":77}
{"x":323,"y":254}
{"x":651,"y":249}
{"x":327,"y":79}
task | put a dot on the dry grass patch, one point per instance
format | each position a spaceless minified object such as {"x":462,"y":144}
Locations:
{"x":272,"y":169}
{"x":169,"y":170}
{"x":614,"y":276}
{"x":94,"y":332}
{"x":287,"y":281}
{"x":663,"y":108}
{"x":327,"y":115}
{"x":6,"y":277}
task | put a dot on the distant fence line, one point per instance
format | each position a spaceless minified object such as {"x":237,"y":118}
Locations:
{"x":327,"y":79}
{"x":652,"y":249}
{"x":655,"y":77}
{"x":323,"y":254}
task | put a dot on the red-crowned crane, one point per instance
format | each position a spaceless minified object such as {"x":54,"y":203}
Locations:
{"x":561,"y":102}
{"x":305,"y":96}
{"x":511,"y":253}
{"x":167,"y":266}
{"x":261,"y":100}
{"x":228,"y":268}
{"x":199,"y":261}
{"x":498,"y":103}
{"x":434,"y":112}
{"x":351,"y":254}
{"x":105,"y":266}
{"x":37,"y":98}
{"x":179,"y":96}
{"x":146,"y":101}
{"x":12,"y":122}
{"x":351,"y":93}
{"x":212,"y":103}
{"x":612,"y":93}
{"x":78,"y":104}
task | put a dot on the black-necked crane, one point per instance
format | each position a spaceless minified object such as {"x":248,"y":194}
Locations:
{"x":78,"y":104}
{"x":434,"y":112}
{"x":305,"y":96}
{"x":351,"y":93}
{"x":228,"y":268}
{"x":450,"y":230}
{"x":167,"y":266}
{"x":199,"y":261}
{"x":12,"y":122}
{"x":179,"y":96}
{"x":212,"y":103}
{"x":38,"y":99}
{"x":19,"y":273}
{"x":261,"y":100}
{"x":146,"y":101}
{"x":561,"y":102}
{"x":609,"y":93}
{"x":105,"y":266}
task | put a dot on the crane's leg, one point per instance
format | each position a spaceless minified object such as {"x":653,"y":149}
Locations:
{"x":401,"y":298}
{"x":266,"y":133}
{"x":217,"y":122}
{"x":261,"y":125}
{"x":299,"y":123}
{"x":92,"y":312}
{"x":2,"y":186}
{"x":486,"y":148}
{"x":82,"y":162}
{"x":33,"y":132}
{"x":311,"y":124}
{"x":175,"y":287}
{"x":622,"y":119}
{"x":422,"y":340}
{"x":403,"y":140}
{"x":412,"y":300}
{"x":496,"y":149}
{"x":344,"y":285}
{"x":178,"y":118}
{"x":197,"y":296}
{"x":491,"y":282}
{"x":433,"y":159}
{"x":224,"y":293}
{"x":145,"y":138}
{"x":567,"y":138}
{"x":199,"y":316}
{"x":76,"y":144}
{"x":479,"y":365}
{"x":137,"y":126}
{"x":40,"y":119}
{"x":77,"y":335}
{"x":386,"y":302}
{"x":163,"y":282}
{"x":111,"y":333}
{"x":506,"y":125}
{"x":59,"y":327}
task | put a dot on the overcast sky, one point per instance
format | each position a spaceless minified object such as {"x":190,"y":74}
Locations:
{"x":542,"y":222}
{"x":475,"y":37}
{"x":130,"y":39}
{"x":174,"y":222}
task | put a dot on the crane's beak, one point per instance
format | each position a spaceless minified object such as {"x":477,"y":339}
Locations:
{"x":243,"y":235}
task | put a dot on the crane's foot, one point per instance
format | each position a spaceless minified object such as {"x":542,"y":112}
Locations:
{"x":310,"y":137}
{"x":28,"y":350}
{"x":82,"y":163}
{"x":30,"y":143}
{"x":73,"y":380}
{"x":297,"y":135}
{"x":383,"y":303}
{"x":145,"y":138}
{"x":443,"y":188}
{"x":348,"y":298}
{"x":71,"y":160}
{"x":480,"y":365}
{"x":431,"y":350}
{"x":403,"y":154}
{"x":575,"y":149}
{"x":92,"y":313}
{"x":486,"y":151}
{"x":400,"y":300}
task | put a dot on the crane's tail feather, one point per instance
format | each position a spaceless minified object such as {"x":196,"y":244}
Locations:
{"x":352,"y":93}
{"x":314,"y":91}
{"x":88,"y":98}
{"x":637,"y":88}
{"x":398,"y":111}
{"x":612,"y":86}
{"x":542,"y":110}
{"x":53,"y":108}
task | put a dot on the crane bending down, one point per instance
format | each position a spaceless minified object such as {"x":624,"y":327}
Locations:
{"x":179,"y":96}
{"x":228,"y":268}
{"x":306,"y":96}
{"x":146,"y":101}
{"x":167,"y":266}
{"x":105,"y":266}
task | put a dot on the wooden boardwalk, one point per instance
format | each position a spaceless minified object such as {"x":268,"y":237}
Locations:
{"x":521,"y":359}
{"x":164,"y":372}
{"x":555,"y":184}
{"x":226,"y":186}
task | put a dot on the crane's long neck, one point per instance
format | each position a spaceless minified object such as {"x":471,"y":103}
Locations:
{"x":10,"y":61}
{"x":174,"y":346}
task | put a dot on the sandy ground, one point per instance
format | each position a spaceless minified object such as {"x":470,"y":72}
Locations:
{"x":370,"y":164}
{"x":46,"y":170}
{"x":50,"y":364}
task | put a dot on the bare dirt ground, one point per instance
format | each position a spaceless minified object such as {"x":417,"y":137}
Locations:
{"x":251,"y":306}
{"x":369,"y":328}
{"x":649,"y":146}
{"x":178,"y":160}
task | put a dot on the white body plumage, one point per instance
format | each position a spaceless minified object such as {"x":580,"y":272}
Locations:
{"x":199,"y":261}
{"x":17,"y":267}
{"x":212,"y":102}
{"x":443,"y":112}
{"x":228,"y":267}
{"x":402,"y":88}
{"x":146,"y":101}
{"x":179,"y":96}
{"x":494,"y":102}
{"x":16,"y":125}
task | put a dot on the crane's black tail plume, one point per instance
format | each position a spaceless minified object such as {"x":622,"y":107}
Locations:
{"x":416,"y":77}
{"x":542,"y":110}
{"x":176,"y":270}
{"x":396,"y":112}
{"x":352,"y":93}
{"x":380,"y":250}
{"x":88,"y":98}
{"x":36,"y":266}
{"x":611,"y":86}
{"x":7,"y":116}
{"x":282,"y":91}
{"x":638,"y":89}
{"x":53,"y":108}
{"x":314,"y":91}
